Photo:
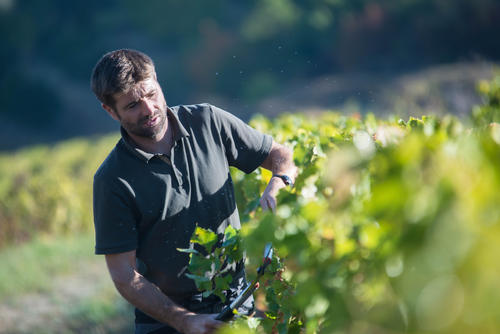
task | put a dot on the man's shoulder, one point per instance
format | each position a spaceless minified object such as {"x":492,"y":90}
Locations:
{"x":193,"y":110}
{"x":111,"y":165}
{"x":202,"y":112}
{"x":196,"y":116}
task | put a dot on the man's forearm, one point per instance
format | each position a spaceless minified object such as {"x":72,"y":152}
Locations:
{"x":151,"y":300}
{"x":147,"y":297}
{"x":280,"y":160}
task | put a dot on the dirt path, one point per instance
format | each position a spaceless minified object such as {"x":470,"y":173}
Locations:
{"x":56,"y":310}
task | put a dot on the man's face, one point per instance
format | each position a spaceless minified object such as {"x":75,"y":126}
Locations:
{"x":142,"y":111}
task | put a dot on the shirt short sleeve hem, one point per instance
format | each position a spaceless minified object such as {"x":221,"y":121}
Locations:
{"x":115,"y":250}
{"x":264,"y":151}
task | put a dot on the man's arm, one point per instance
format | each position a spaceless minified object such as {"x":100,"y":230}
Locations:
{"x":150,"y":299}
{"x":279,"y":161}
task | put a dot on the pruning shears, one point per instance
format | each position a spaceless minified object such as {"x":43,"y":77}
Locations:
{"x":228,"y":312}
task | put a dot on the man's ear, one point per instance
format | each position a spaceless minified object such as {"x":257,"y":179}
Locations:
{"x":111,"y":112}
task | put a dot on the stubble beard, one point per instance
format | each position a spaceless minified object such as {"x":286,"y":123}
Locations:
{"x":140,"y":128}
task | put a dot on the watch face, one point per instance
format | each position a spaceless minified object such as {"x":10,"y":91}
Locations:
{"x":286,"y":179}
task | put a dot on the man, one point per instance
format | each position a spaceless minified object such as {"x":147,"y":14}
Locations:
{"x":168,"y":173}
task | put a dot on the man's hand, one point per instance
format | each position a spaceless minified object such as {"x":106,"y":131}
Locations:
{"x":279,"y":161}
{"x":268,"y":199}
{"x":200,"y":324}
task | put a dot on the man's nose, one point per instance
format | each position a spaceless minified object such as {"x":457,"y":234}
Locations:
{"x":148,"y":107}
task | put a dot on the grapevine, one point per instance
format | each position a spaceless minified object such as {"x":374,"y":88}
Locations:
{"x":392,"y":226}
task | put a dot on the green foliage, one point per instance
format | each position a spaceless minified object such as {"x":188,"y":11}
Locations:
{"x":209,"y":267}
{"x":393,"y":227}
{"x":489,"y":112}
{"x":49,"y":189}
{"x":269,"y":18}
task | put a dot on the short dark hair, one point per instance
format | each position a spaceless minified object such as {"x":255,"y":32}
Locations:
{"x":118,"y":71}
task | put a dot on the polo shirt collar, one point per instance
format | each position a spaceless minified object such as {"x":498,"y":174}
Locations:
{"x":179,"y":130}
{"x":177,"y":127}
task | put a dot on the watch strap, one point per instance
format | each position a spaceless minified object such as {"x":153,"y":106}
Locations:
{"x":286,"y":179}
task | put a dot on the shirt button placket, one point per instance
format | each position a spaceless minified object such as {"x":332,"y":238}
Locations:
{"x":177,"y":172}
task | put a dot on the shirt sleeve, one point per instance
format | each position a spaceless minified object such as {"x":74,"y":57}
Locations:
{"x":114,"y":217}
{"x":246,"y":148}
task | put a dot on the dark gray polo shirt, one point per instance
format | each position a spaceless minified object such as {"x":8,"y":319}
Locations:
{"x":151,"y":203}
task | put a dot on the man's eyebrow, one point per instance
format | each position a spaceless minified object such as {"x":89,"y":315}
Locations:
{"x":149,"y":92}
{"x":131,"y":103}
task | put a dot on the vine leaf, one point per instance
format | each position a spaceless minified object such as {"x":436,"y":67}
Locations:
{"x":204,"y":237}
{"x":210,"y":269}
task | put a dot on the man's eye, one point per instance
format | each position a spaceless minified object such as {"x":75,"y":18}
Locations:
{"x":132,"y":105}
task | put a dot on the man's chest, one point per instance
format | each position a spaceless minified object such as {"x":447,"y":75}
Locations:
{"x":190,"y":179}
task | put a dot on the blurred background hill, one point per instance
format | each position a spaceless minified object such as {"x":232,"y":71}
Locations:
{"x":263,"y":56}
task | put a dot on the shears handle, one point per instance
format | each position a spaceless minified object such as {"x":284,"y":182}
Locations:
{"x":228,"y":312}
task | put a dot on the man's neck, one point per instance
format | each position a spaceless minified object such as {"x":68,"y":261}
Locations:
{"x":160,"y":144}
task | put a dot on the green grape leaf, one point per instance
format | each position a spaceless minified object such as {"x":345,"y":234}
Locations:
{"x":199,"y":264}
{"x":230,"y":237}
{"x":222,"y":284}
{"x":205,"y":238}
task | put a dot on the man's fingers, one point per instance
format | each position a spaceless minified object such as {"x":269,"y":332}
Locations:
{"x":213,"y":325}
{"x":271,"y":203}
{"x":214,"y":321}
{"x":202,"y":324}
{"x":268,"y":202}
{"x":263,"y":203}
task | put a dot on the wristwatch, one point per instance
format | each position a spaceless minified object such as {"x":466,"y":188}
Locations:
{"x":286,"y":179}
